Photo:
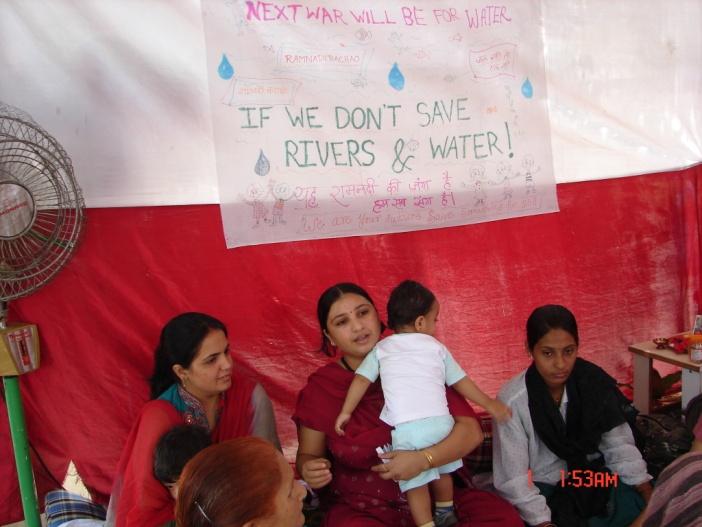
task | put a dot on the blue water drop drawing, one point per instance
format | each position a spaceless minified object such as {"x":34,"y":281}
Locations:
{"x":225,"y":69}
{"x":396,"y":78}
{"x":527,"y":89}
{"x":263,"y":166}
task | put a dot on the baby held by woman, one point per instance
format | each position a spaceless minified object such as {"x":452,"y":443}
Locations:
{"x":414,"y":370}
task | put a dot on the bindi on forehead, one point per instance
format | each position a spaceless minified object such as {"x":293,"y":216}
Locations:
{"x":349,"y":312}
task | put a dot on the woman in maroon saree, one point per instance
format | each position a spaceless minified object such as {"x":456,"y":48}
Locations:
{"x":359,"y":492}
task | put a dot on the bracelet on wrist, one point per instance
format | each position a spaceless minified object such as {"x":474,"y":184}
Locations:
{"x":429,"y":457}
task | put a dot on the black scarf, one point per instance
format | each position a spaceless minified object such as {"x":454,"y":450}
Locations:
{"x":594,"y":407}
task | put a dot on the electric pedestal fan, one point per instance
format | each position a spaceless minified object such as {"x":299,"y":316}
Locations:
{"x":41,"y":219}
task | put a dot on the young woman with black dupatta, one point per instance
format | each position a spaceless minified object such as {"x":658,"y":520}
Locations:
{"x":567,"y":457}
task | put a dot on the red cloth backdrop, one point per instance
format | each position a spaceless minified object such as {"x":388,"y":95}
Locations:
{"x":623,"y":254}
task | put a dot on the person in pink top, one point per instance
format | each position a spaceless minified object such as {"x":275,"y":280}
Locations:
{"x":677,"y":498}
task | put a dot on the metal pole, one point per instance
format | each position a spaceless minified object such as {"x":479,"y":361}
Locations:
{"x":19,"y":443}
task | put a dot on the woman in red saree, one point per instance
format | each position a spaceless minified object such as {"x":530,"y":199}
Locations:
{"x":193,"y":382}
{"x":359,"y":492}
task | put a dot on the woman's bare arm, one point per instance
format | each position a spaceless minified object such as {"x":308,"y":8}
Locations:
{"x":464,"y":438}
{"x":310,"y":461}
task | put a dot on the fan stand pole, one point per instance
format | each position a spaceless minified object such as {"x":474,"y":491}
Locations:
{"x":21,"y":448}
{"x":18,"y":431}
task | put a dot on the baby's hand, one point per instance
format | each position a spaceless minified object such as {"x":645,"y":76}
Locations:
{"x":317,"y":472}
{"x":499,"y":411}
{"x":341,"y":423}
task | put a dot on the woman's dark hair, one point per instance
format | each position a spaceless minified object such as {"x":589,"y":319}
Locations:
{"x":179,"y":343}
{"x":408,"y":301}
{"x":229,"y":484}
{"x":545,"y":318}
{"x":175,"y":448}
{"x":326,"y":301}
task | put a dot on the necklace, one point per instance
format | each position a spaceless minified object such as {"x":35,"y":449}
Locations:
{"x":346,"y":364}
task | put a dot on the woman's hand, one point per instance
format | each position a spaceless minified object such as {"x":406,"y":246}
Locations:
{"x":317,"y":472}
{"x":401,"y":465}
{"x":311,"y":464}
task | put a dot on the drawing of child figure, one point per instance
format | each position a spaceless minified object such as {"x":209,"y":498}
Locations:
{"x":529,"y":171}
{"x":477,"y":174}
{"x":281,"y":193}
{"x":414,"y":369}
{"x":504,"y":173}
{"x":255,"y":194}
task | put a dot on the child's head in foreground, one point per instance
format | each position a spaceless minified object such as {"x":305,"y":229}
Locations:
{"x":412,"y":308}
{"x":175,"y":448}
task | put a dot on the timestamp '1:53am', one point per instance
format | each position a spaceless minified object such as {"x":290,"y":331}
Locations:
{"x":588,"y":479}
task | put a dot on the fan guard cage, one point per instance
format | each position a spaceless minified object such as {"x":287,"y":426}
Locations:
{"x":41,"y":206}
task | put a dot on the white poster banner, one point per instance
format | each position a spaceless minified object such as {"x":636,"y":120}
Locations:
{"x":332,"y":119}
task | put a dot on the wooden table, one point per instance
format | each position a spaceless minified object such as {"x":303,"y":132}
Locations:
{"x":644,"y":354}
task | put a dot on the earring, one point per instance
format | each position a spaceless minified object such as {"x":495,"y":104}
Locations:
{"x":329,"y":339}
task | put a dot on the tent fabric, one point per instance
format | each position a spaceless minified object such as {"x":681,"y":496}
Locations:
{"x":124,"y":87}
{"x":623,"y":254}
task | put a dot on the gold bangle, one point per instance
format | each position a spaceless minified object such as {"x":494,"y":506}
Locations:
{"x":429,"y":457}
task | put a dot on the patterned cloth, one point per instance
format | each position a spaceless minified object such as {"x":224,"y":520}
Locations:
{"x":677,"y":498}
{"x":62,"y":506}
{"x":480,"y":459}
{"x":189,"y":407}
